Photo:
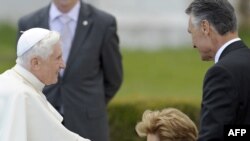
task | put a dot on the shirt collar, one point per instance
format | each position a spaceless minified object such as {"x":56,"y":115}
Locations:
{"x":218,"y":53}
{"x":55,"y":12}
{"x":29,"y":77}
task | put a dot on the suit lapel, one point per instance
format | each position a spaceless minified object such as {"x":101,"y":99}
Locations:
{"x":44,"y":18}
{"x":83,"y":27}
{"x":234,"y":46}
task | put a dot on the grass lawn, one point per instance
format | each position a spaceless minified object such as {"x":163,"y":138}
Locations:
{"x":7,"y":46}
{"x":169,"y":73}
{"x":7,"y":58}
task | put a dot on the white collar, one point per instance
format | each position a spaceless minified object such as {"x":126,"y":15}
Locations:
{"x":54,"y":12}
{"x":29,"y":77}
{"x":219,"y":52}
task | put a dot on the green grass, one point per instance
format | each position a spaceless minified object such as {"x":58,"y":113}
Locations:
{"x":167,"y":73}
{"x":7,"y":46}
{"x":7,"y":58}
{"x":7,"y":35}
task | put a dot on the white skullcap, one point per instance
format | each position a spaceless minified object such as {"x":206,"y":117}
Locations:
{"x":29,"y":38}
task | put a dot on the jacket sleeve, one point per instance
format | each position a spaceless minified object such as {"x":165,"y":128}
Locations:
{"x":219,"y":104}
{"x":111,"y":62}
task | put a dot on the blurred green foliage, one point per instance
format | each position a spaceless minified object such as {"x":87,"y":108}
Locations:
{"x":244,"y":33}
{"x":171,"y":73}
{"x":7,"y":35}
{"x":7,"y":46}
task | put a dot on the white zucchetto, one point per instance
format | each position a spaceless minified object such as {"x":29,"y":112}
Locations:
{"x":29,"y":38}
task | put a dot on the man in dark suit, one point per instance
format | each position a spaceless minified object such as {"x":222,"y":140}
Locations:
{"x":226,"y":91}
{"x":93,"y":71}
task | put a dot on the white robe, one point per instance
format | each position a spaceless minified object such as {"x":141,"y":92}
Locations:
{"x":25,"y":114}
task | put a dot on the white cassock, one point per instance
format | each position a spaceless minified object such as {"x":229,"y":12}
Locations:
{"x":25,"y":114}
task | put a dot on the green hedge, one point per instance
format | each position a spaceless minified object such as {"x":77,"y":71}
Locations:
{"x":124,"y":116}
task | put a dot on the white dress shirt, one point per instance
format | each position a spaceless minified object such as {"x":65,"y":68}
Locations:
{"x":56,"y":25}
{"x":219,"y":52}
{"x":25,"y":114}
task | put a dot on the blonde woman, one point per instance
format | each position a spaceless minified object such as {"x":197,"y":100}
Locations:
{"x":170,"y":124}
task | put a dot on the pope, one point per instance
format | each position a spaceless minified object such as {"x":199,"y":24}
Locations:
{"x":25,"y":114}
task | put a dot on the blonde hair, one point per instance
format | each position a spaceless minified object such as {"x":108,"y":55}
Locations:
{"x":170,"y":124}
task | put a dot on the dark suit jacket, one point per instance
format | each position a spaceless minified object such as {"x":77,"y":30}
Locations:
{"x":93,"y":71}
{"x":226,"y":93}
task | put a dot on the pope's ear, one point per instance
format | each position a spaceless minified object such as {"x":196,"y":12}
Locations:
{"x":35,"y":63}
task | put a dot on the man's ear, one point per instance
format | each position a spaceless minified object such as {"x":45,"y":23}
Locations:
{"x":35,"y":63}
{"x":205,"y":27}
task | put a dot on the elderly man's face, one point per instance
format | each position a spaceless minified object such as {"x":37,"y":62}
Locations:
{"x":201,"y":39}
{"x":51,"y":66}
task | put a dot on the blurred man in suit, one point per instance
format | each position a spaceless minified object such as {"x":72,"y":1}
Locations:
{"x":93,"y":71}
{"x":226,"y":91}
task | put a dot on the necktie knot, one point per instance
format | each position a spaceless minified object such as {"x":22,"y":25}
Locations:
{"x":65,"y":19}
